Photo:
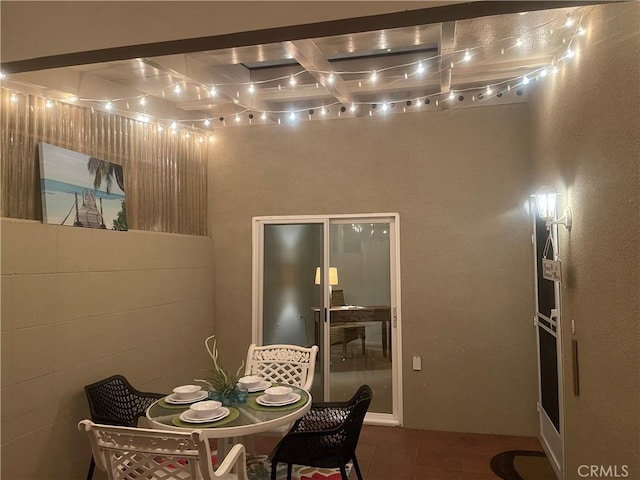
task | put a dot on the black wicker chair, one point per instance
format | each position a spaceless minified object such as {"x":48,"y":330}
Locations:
{"x":325,"y":437}
{"x":113,"y":401}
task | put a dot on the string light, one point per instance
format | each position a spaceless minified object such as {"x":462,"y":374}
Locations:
{"x":2,"y":76}
{"x":417,"y":66}
{"x":48,"y":104}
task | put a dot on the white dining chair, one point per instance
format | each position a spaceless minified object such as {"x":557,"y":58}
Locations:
{"x":288,"y":364}
{"x":128,"y":452}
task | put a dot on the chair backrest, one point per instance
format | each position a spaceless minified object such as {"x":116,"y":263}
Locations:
{"x":114,"y":401}
{"x":356,"y":410}
{"x":126,"y":453}
{"x":288,"y":364}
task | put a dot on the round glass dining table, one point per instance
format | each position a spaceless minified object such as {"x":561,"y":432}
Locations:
{"x":244,"y":419}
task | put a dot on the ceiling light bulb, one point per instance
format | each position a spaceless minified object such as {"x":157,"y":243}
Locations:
{"x":569,"y":23}
{"x":109,"y":106}
{"x":207,"y":122}
{"x":525,"y":80}
{"x":73,"y":98}
{"x":177,"y":88}
{"x":143,"y":101}
{"x":452,"y":95}
{"x":544,"y":72}
{"x":200,"y":139}
{"x":385,"y":107}
{"x":2,"y":76}
{"x":570,"y":53}
{"x":374,"y":76}
{"x":48,"y":104}
{"x":581,"y":31}
{"x":489,"y":91}
{"x":263,"y":116}
{"x":213,"y":92}
{"x":188,"y":135}
{"x":174,"y":125}
{"x":292,"y":81}
{"x":519,"y":42}
{"x":160,"y":128}
{"x":353,"y":107}
{"x":252,"y":87}
{"x":467,"y":55}
{"x":292,"y":116}
{"x":323,"y":111}
{"x":331,"y":78}
{"x":420,"y":68}
{"x":237,"y":117}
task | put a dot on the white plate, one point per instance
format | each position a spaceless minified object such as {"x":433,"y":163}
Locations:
{"x":260,"y":387}
{"x":176,"y":401}
{"x":262,"y":400}
{"x":188,"y":417}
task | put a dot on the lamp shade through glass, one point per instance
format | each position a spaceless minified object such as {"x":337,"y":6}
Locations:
{"x":333,"y":276}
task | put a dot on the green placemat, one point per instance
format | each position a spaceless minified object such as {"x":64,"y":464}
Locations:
{"x":251,"y":402}
{"x":233,"y":414}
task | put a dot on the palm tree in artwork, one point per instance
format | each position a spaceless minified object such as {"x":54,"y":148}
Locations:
{"x":105,"y":171}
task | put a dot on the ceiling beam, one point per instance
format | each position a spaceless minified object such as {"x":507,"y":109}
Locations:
{"x":445,"y":62}
{"x":307,"y":54}
{"x":425,"y":16}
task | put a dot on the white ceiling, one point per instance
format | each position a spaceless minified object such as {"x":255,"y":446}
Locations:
{"x":330,"y":72}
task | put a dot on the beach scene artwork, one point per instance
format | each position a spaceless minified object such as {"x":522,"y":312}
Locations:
{"x":81,"y":191}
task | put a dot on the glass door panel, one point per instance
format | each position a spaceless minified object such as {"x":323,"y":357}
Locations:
{"x":291,"y":299}
{"x":359,"y":330}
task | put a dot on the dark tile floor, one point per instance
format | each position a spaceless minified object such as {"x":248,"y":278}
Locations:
{"x":388,"y":453}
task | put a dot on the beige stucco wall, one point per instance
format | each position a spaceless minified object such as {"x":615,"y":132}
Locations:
{"x":79,"y":305}
{"x":84,"y":26}
{"x":585,"y":139}
{"x":458,"y":180}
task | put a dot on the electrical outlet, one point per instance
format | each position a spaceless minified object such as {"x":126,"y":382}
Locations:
{"x":417,"y":363}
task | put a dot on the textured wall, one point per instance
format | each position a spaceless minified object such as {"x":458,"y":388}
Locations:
{"x":585,"y":125}
{"x":79,"y":305}
{"x":83,"y":26}
{"x":458,"y":180}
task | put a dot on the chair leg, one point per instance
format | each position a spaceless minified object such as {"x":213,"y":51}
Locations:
{"x":357,"y":467}
{"x":289,"y":470}
{"x":274,"y":467}
{"x":92,"y":466}
{"x":343,"y":473}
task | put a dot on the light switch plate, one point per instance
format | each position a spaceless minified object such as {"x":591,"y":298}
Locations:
{"x":417,"y":363}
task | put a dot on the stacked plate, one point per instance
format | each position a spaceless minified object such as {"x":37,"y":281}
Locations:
{"x":186,"y":394}
{"x":190,"y":416}
{"x":277,"y":397}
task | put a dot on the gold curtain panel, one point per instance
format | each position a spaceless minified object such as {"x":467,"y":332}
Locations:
{"x":165,"y":173}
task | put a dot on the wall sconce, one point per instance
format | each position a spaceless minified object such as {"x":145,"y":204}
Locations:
{"x":333,"y":276}
{"x":546,"y":202}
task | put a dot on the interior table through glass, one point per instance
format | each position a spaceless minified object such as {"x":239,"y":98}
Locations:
{"x":245,"y":419}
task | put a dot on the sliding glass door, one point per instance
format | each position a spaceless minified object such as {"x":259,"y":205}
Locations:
{"x":332,"y":281}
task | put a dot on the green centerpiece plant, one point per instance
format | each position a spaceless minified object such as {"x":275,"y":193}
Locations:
{"x":219,"y":379}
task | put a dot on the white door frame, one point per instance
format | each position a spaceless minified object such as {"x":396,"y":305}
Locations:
{"x":395,"y":418}
{"x":552,"y":441}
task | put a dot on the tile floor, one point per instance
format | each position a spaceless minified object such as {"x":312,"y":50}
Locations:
{"x":388,"y":453}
